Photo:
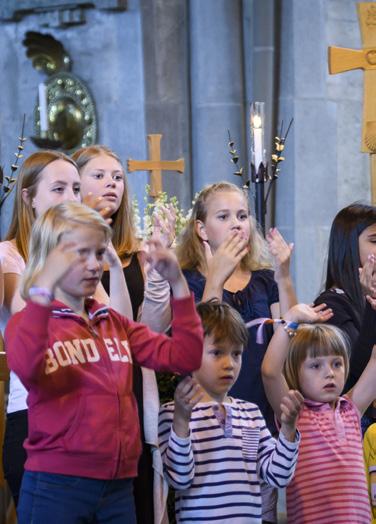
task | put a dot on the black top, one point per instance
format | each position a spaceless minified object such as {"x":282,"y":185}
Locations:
{"x":361,"y":332}
{"x":135,"y":282}
{"x":252,"y":302}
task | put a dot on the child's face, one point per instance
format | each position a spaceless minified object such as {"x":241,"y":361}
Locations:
{"x":82,"y":279}
{"x":58,"y":182}
{"x":322,"y":378}
{"x":367,"y":243}
{"x":219,"y":369}
{"x":103,"y":176}
{"x":226,"y":211}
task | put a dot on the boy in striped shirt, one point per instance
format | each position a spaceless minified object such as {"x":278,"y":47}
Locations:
{"x":216,"y":449}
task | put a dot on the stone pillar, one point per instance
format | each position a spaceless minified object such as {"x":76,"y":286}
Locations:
{"x":217,"y":88}
{"x":324,"y":169}
{"x":166,"y":87}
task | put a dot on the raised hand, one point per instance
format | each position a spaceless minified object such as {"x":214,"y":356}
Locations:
{"x":165,"y":262}
{"x":111,"y":257}
{"x":222,"y":263}
{"x":163,"y":225}
{"x":95,"y":203}
{"x":290,"y":407}
{"x":59,"y":261}
{"x":281,"y":253}
{"x":367,"y":277}
{"x":187,"y":394}
{"x":308,"y":314}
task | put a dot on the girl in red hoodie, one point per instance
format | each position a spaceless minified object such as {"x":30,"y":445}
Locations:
{"x":74,"y":357}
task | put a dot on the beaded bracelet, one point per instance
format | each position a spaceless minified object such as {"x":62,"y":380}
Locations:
{"x":41,"y":292}
{"x":289,"y":327}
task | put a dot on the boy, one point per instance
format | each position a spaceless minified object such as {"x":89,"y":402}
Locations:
{"x":216,"y":449}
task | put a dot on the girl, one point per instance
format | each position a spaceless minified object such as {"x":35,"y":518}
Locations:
{"x":329,"y":483}
{"x":223,"y":255}
{"x":46,"y":178}
{"x":103,"y":181}
{"x":75,"y":356}
{"x":352,"y":239}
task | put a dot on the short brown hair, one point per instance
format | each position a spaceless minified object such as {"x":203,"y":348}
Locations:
{"x":314,"y":340}
{"x":222,"y":322}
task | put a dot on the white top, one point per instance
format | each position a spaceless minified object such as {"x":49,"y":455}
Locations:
{"x":12,"y":262}
{"x":217,"y":471}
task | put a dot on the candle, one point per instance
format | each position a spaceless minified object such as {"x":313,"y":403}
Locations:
{"x":43,"y":113}
{"x":257,"y":140}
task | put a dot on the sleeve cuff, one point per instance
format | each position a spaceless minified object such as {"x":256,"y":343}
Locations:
{"x":182,"y":441}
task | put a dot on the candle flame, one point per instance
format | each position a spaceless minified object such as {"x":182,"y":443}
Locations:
{"x":257,"y":122}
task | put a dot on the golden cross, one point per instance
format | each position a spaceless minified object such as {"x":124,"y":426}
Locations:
{"x":155,"y":165}
{"x":343,"y":59}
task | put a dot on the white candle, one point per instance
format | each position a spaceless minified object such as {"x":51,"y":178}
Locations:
{"x":43,"y":114}
{"x":257,"y":141}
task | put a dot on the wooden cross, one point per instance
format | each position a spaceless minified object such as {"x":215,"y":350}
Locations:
{"x":155,"y":165}
{"x":343,"y":59}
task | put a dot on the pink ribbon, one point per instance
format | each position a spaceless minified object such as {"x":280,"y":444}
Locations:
{"x":260,"y":322}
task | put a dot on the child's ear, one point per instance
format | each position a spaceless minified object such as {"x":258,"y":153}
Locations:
{"x":26,"y":197}
{"x":200,"y":230}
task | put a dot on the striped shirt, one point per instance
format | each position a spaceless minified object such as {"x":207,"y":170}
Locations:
{"x":216,"y":471}
{"x":329,"y":485}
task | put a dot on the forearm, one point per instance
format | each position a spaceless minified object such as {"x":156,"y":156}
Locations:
{"x":287,"y":295}
{"x":156,"y":308}
{"x":180,"y":353}
{"x":213,"y":288}
{"x":119,"y":294}
{"x":277,"y":462}
{"x":178,"y":462}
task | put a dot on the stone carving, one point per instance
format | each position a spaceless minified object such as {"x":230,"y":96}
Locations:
{"x":15,"y":11}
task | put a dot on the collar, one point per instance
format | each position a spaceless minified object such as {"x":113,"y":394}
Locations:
{"x":324,"y":406}
{"x":95,"y":310}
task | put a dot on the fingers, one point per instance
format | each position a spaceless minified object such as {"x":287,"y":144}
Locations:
{"x":189,"y":392}
{"x":291,"y":404}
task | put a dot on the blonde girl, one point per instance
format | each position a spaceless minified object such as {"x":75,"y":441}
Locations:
{"x":329,"y":483}
{"x":75,"y":357}
{"x":224,"y":255}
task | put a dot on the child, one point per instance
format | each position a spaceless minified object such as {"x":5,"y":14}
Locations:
{"x":75,"y":359}
{"x":216,"y":449}
{"x":329,"y":483}
{"x":46,"y":178}
{"x":351,"y":243}
{"x":224,"y":256}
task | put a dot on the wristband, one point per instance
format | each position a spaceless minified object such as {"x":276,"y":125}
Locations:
{"x":41,"y":292}
{"x":290,"y":328}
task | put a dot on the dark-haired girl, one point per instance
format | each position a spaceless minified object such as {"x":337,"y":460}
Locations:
{"x":352,"y":241}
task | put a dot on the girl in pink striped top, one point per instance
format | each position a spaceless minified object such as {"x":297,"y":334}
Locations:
{"x":329,"y":483}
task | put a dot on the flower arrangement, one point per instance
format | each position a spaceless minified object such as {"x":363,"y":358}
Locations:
{"x":162,"y":205}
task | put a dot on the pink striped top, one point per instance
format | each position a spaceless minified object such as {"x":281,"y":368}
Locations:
{"x":329,"y":485}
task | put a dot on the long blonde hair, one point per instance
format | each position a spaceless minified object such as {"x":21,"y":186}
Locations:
{"x":28,"y":178}
{"x":314,"y":340}
{"x":190,"y":249}
{"x":48,"y":230}
{"x":124,"y":238}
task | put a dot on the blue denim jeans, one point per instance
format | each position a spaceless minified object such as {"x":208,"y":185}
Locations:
{"x":63,"y":499}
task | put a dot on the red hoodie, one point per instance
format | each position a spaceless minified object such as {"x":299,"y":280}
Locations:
{"x":83,"y":417}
